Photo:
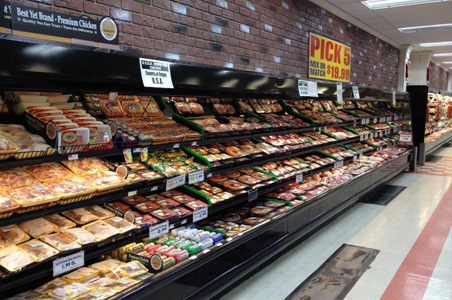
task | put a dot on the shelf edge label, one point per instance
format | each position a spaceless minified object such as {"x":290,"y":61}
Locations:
{"x":200,"y":214}
{"x":158,"y":229}
{"x":68,"y":263}
{"x":175,"y":182}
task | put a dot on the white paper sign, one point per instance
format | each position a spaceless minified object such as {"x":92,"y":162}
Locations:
{"x":405,"y":138}
{"x":68,"y":263}
{"x":371,"y":135}
{"x":339,"y":93}
{"x":355,"y":92}
{"x":158,"y":229}
{"x":72,"y":157}
{"x":366,"y":136}
{"x":132,"y":193}
{"x":156,"y":73}
{"x":252,"y":195}
{"x":375,"y":120}
{"x":307,"y":88}
{"x":339,"y":164}
{"x":393,"y":97}
{"x":363,"y":121}
{"x":361,"y":156}
{"x":299,"y":178}
{"x":200,"y":214}
{"x":175,"y":182}
{"x":196,"y":177}
{"x":355,"y":157}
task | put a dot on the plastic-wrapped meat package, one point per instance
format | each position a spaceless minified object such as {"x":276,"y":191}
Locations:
{"x":71,"y":187}
{"x":32,"y":195}
{"x":120,"y":224}
{"x":48,"y":172}
{"x":12,"y":235}
{"x":86,"y":166}
{"x":182,"y":107}
{"x":60,"y":221}
{"x":196,"y":108}
{"x":70,"y":291}
{"x":80,"y":215}
{"x":38,"y":227}
{"x":60,"y":241}
{"x":16,"y":177}
{"x":39,"y":249}
{"x":101,"y":230}
{"x":81,"y":236}
{"x":13,"y":258}
{"x":105,"y":180}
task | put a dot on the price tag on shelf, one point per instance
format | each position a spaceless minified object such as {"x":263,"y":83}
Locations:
{"x":299,"y":178}
{"x":194,"y":143}
{"x":355,"y":92}
{"x":158,"y":229}
{"x":339,"y":164}
{"x":371,"y":135}
{"x":366,"y":136}
{"x":68,"y":263}
{"x":361,"y":155}
{"x":367,"y":120}
{"x":382,"y":119}
{"x":200,"y":214}
{"x":307,"y":88}
{"x":154,"y":188}
{"x":361,"y":137}
{"x":390,"y":119}
{"x":131,"y":193}
{"x":72,"y":157}
{"x":184,"y":221}
{"x":354,"y":123}
{"x":375,"y":120}
{"x":363,"y":121}
{"x":156,"y":73}
{"x":393,"y":97}
{"x":127,"y":155}
{"x":386,"y":131}
{"x":355,"y":157}
{"x":405,"y":138}
{"x":136,"y":150}
{"x":112,"y":95}
{"x":339,"y":93}
{"x":175,"y":182}
{"x":252,"y":195}
{"x":177,"y":145}
{"x":381,"y":133}
{"x":209,"y":175}
{"x":196,"y":177}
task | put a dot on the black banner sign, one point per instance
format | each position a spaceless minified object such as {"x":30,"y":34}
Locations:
{"x":38,"y":23}
{"x":5,"y":17}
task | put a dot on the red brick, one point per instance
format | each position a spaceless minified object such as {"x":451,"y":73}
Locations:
{"x":70,"y":4}
{"x":121,"y":14}
{"x":153,"y":53}
{"x":115,"y":3}
{"x":95,"y":9}
{"x":132,"y":29}
{"x":162,"y":24}
{"x":153,"y":33}
{"x":132,"y":5}
{"x":152,"y":11}
{"x":162,"y":4}
{"x":143,"y":42}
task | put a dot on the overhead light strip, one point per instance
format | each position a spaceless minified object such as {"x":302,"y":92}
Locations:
{"x":425,"y":28}
{"x":438,"y":44}
{"x":442,"y":54}
{"x":381,"y":4}
{"x":447,"y":62}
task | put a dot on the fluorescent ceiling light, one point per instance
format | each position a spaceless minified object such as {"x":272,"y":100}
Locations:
{"x":380,"y":4}
{"x":424,"y":28}
{"x":442,"y":54}
{"x":447,"y":62}
{"x":438,"y":44}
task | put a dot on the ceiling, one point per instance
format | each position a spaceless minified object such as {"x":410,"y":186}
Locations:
{"x":386,"y":21}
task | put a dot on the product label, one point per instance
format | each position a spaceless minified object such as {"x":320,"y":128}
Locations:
{"x":307,"y":88}
{"x":371,"y":135}
{"x":375,"y":120}
{"x":144,"y":154}
{"x":252,"y":195}
{"x":158,"y":229}
{"x":299,"y":178}
{"x":339,"y":93}
{"x":328,"y":59}
{"x":196,"y":177}
{"x":72,"y":157}
{"x":366,"y":136}
{"x":68,"y":263}
{"x":339,"y":164}
{"x":200,"y":214}
{"x":131,"y":193}
{"x":355,"y":92}
{"x":363,"y":121}
{"x":175,"y":182}
{"x":405,"y":138}
{"x":156,"y":73}
{"x":393,"y":97}
{"x":127,"y":155}
{"x":355,"y":157}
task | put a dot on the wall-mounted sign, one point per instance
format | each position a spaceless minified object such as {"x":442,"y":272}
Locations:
{"x":328,"y":59}
{"x":37,"y":23}
{"x":5,"y":17}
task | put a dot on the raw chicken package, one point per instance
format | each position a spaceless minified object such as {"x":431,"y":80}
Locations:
{"x":101,"y":230}
{"x":60,"y":241}
{"x":38,"y":227}
{"x":41,"y":250}
{"x":48,"y":172}
{"x":80,"y":216}
{"x":13,"y":258}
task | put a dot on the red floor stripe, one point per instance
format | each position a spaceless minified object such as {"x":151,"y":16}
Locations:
{"x":412,"y":278}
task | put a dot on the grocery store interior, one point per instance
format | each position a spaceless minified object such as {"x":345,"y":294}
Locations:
{"x":226,"y":149}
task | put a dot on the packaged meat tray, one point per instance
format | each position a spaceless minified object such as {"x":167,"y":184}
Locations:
{"x":183,"y":198}
{"x":105,"y":180}
{"x":80,"y":216}
{"x":182,"y":212}
{"x":12,"y":235}
{"x":38,"y":227}
{"x":233,"y":185}
{"x":14,"y":178}
{"x":96,"y":294}
{"x":39,"y":249}
{"x":80,"y":235}
{"x":7,"y":146}
{"x":13,"y":258}
{"x":48,"y":172}
{"x":118,"y":285}
{"x":71,"y":187}
{"x":195,"y":205}
{"x":130,"y":269}
{"x":100,"y":212}
{"x":33,"y":195}
{"x":101,"y":230}
{"x":133,"y":200}
{"x":51,"y":285}
{"x":60,"y":241}
{"x":164,"y":214}
{"x":86,"y":166}
{"x":167,"y":203}
{"x":7,"y":206}
{"x":69,"y":291}
{"x":80,"y":275}
{"x":60,"y":221}
{"x":120,"y":224}
{"x":106,"y":266}
{"x":147,"y":206}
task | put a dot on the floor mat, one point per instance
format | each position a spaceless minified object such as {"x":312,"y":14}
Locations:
{"x":338,"y":274}
{"x":384,"y":195}
{"x":433,"y":158}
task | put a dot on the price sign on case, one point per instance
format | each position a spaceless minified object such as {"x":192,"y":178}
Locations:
{"x":156,"y":73}
{"x":68,"y":263}
{"x":339,"y":164}
{"x":159,"y":229}
{"x":307,"y":88}
{"x":175,"y":182}
{"x":200,"y":214}
{"x":196,"y":177}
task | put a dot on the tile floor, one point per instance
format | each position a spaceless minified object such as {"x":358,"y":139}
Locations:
{"x":392,"y":229}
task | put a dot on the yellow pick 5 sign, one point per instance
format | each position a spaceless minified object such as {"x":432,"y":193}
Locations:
{"x":329,"y":59}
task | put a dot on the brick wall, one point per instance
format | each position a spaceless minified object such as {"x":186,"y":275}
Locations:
{"x":269,"y":36}
{"x":438,"y":77}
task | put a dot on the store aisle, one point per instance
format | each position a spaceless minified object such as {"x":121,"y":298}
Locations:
{"x":397,"y":230}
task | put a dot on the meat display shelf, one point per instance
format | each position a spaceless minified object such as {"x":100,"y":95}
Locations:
{"x":43,"y":271}
{"x":19,"y":218}
{"x":295,"y":224}
{"x":427,"y":148}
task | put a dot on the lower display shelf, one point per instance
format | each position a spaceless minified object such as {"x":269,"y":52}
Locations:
{"x":43,"y":271}
{"x":428,"y":148}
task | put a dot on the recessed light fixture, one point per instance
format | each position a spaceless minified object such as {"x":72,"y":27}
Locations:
{"x":380,"y":4}
{"x":438,"y":44}
{"x":424,"y":28}
{"x":442,"y":54}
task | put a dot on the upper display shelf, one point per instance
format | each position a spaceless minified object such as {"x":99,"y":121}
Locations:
{"x":26,"y":66}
